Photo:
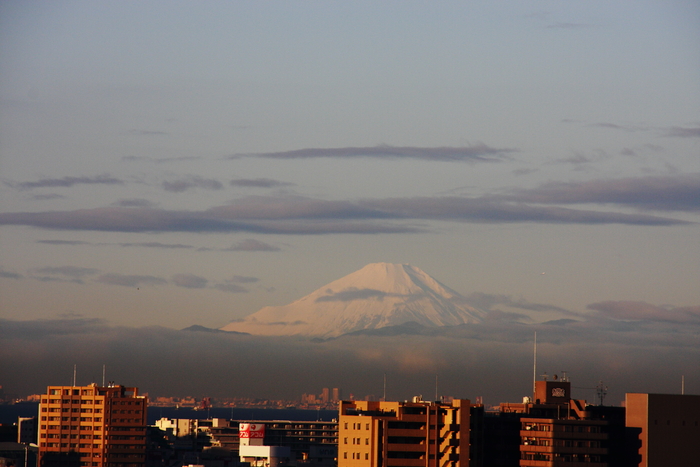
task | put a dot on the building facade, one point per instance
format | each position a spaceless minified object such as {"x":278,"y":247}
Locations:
{"x":92,"y":426}
{"x":665,"y":429}
{"x":404,"y":434}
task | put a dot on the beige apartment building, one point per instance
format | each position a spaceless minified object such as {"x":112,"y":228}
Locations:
{"x":404,"y":434}
{"x":92,"y":426}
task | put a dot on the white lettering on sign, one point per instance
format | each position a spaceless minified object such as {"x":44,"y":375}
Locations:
{"x":558,"y":392}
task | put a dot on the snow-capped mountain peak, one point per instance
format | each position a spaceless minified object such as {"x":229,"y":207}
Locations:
{"x":378,"y":295}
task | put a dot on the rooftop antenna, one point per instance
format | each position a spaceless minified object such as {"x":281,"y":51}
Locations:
{"x":436,"y":388}
{"x":104,"y":370}
{"x":534,"y":368}
{"x":384,"y":399}
{"x":601,"y":391}
{"x":75,"y":369}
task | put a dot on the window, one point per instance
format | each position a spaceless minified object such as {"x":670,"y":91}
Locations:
{"x":367,"y":427}
{"x":366,"y":456}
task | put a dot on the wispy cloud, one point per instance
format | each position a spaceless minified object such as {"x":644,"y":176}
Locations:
{"x":641,"y":311}
{"x":566,"y":25}
{"x":250,"y":244}
{"x":67,"y":182}
{"x":684,"y":132}
{"x":73,"y":274}
{"x":160,"y":160}
{"x":193,"y":181}
{"x":259,"y":183}
{"x":138,"y":132}
{"x":476,"y":153}
{"x":664,"y":193}
{"x":135,"y":203}
{"x":307,"y":216}
{"x":189,"y":281}
{"x":10,"y":275}
{"x":130,"y":280}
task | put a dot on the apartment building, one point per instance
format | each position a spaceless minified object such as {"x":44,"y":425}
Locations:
{"x":92,"y":426}
{"x":404,"y":434}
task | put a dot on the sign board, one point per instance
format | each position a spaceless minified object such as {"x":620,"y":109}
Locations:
{"x":251,"y":430}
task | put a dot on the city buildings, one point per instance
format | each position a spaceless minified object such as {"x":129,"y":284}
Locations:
{"x":406,"y":434}
{"x":92,"y":426}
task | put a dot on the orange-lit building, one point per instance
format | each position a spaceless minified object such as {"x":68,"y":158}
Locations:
{"x":406,"y":434}
{"x":92,"y":426}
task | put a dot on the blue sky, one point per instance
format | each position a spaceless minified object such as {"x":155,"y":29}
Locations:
{"x":179,"y":163}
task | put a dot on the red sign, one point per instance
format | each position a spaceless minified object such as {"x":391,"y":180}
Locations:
{"x":251,"y":430}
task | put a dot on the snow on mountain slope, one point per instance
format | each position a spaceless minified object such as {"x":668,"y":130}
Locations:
{"x":378,"y":295}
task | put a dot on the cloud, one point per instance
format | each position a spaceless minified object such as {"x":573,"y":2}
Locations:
{"x":307,"y":216}
{"x":664,"y":193}
{"x":147,"y":132}
{"x":67,"y":182}
{"x":259,"y":183}
{"x":193,"y":181}
{"x":231,"y":287}
{"x":168,"y":246}
{"x":565,"y":25}
{"x":244,"y":279}
{"x":250,"y":244}
{"x":10,"y":275}
{"x":681,"y":132}
{"x":63,"y":274}
{"x":134,"y":203}
{"x":189,"y":281}
{"x":476,"y":153}
{"x":47,"y":197}
{"x":637,"y":311}
{"x":160,"y":160}
{"x":63,"y":242}
{"x":128,"y":280}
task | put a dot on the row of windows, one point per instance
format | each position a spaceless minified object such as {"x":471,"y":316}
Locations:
{"x":70,"y":419}
{"x":68,"y":392}
{"x":72,"y":427}
{"x":560,"y":443}
{"x":356,"y":455}
{"x":357,"y":426}
{"x":356,"y":441}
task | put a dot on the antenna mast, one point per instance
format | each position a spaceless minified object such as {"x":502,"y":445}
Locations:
{"x":75,"y":369}
{"x":384,"y":398}
{"x":436,"y":388}
{"x":534,"y":368}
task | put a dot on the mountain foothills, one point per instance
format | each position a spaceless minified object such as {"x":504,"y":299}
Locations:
{"x":377,"y":296}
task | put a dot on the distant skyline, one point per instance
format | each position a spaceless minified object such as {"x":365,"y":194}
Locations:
{"x":168,"y":164}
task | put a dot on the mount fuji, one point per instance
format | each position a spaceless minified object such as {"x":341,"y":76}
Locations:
{"x":376,"y":296}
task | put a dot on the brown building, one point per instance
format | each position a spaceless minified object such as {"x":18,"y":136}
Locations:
{"x":552,"y":429}
{"x":92,"y":426}
{"x":666,"y":429}
{"x":405,"y":434}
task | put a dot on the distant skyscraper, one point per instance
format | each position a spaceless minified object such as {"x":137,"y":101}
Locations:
{"x":336,"y":394}
{"x":92,"y":426}
{"x":325,"y":395}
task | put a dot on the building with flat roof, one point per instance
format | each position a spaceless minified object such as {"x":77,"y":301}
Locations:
{"x":665,"y":429}
{"x":406,"y":434}
{"x":92,"y":426}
